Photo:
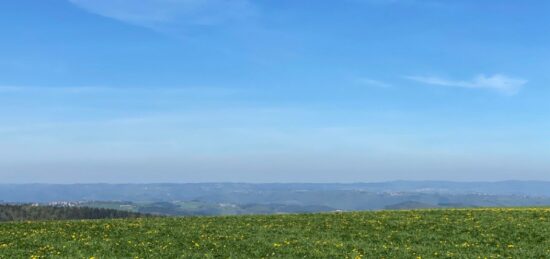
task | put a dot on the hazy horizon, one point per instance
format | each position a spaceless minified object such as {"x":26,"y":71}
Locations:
{"x":348,"y":91}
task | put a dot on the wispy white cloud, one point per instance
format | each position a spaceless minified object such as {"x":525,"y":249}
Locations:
{"x":499,"y":83}
{"x":372,"y":82}
{"x":163,"y":14}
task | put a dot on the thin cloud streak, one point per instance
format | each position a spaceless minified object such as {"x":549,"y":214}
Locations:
{"x":372,"y":82}
{"x":163,"y":14}
{"x":499,"y":83}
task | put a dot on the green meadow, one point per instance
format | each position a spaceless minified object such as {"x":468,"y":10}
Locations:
{"x":445,"y":233}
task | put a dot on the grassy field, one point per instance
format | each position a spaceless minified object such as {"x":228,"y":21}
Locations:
{"x":463,"y":233}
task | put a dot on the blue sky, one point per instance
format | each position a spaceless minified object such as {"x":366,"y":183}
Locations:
{"x":274,"y":91}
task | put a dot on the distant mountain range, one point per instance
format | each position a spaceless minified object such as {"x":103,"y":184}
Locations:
{"x":246,"y":198}
{"x":189,"y":191}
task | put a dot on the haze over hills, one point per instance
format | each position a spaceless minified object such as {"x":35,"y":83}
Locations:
{"x":188,"y":191}
{"x":248,"y":198}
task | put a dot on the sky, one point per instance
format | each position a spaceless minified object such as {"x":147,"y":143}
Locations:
{"x":125,"y":91}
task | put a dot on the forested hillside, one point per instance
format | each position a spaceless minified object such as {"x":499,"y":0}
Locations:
{"x":31,"y":212}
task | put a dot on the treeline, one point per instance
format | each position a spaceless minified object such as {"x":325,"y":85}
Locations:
{"x":10,"y":212}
